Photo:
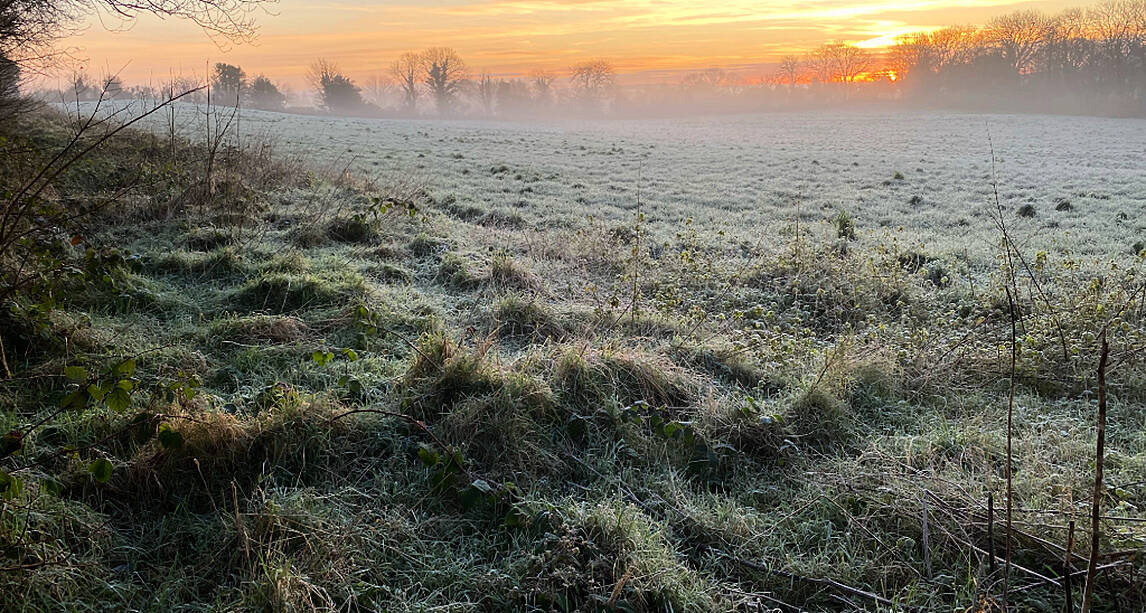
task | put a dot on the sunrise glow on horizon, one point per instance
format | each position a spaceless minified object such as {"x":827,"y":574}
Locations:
{"x":647,"y":40}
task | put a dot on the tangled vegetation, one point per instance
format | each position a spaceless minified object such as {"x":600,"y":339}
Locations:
{"x":274,"y":389}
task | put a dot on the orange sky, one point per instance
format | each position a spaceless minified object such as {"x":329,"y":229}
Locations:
{"x":509,"y":37}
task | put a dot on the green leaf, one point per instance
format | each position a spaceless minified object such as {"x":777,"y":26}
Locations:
{"x":442,"y":480}
{"x":169,"y":438}
{"x":351,"y":354}
{"x":97,"y":392}
{"x":51,"y":487}
{"x":125,"y":368}
{"x":76,"y":373}
{"x":427,"y":456}
{"x":75,"y":400}
{"x":101,"y":470}
{"x":514,"y":518}
{"x":9,"y":486}
{"x":355,"y":386}
{"x":118,"y":400}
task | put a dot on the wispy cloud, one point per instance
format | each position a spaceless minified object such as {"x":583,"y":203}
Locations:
{"x":508,"y":35}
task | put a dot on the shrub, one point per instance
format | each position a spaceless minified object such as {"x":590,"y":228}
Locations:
{"x":515,"y":315}
{"x":507,"y":273}
{"x":284,"y":292}
{"x":208,"y":239}
{"x":351,"y":230}
{"x":845,"y":227}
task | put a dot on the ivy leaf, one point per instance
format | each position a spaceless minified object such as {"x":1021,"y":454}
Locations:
{"x":76,"y":373}
{"x":169,"y":438}
{"x":101,"y":470}
{"x":118,"y":400}
{"x":351,"y":354}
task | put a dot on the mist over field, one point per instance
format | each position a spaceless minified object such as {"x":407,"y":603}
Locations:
{"x":421,"y":307}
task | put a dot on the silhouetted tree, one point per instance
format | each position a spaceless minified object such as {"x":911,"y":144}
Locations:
{"x":29,"y":29}
{"x":336,"y":92}
{"x":513,"y":98}
{"x":790,"y":69}
{"x":593,"y":81}
{"x":263,"y":94}
{"x":378,"y":90}
{"x":542,"y":83}
{"x":228,"y":83}
{"x":406,"y":70}
{"x":1018,"y":37}
{"x":9,"y":88}
{"x":444,"y":73}
{"x":487,"y":93}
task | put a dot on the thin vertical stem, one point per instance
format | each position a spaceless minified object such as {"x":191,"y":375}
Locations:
{"x":1010,"y":438}
{"x":1067,"y":581}
{"x":1096,"y":498}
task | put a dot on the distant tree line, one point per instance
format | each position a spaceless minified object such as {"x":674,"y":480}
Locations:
{"x":1091,"y":59}
{"x":1095,"y":55}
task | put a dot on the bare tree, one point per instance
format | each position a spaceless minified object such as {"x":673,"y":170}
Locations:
{"x":378,"y":90}
{"x":1018,"y":37}
{"x":790,"y":69}
{"x":848,"y":62}
{"x":444,"y":73}
{"x":29,"y":29}
{"x":819,"y":64}
{"x":709,"y":79}
{"x":405,"y":71}
{"x":542,"y":82}
{"x":593,"y":80}
{"x":487,"y":92}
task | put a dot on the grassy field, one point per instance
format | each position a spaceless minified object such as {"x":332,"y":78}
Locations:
{"x":270,"y":385}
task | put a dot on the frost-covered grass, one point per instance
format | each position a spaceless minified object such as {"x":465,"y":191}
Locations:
{"x":561,"y":406}
{"x":928,"y":172}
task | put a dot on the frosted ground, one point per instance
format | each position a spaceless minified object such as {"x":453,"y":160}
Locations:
{"x":750,"y":175}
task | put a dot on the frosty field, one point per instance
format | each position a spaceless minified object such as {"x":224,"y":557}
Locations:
{"x":447,"y":366}
{"x":748,"y":175}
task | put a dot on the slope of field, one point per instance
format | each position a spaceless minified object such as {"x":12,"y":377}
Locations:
{"x":242,"y":383}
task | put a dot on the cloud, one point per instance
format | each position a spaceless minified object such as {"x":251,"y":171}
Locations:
{"x":504,"y":35}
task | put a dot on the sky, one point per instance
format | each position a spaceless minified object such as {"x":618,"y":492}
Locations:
{"x":650,"y":40}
